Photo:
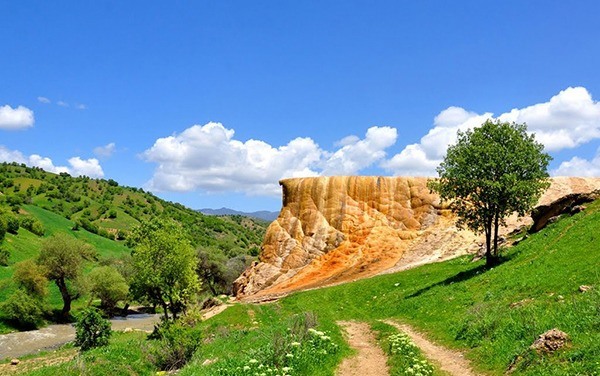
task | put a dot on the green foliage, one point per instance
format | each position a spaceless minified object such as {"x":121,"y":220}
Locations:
{"x":491,"y":172}
{"x":12,"y":224}
{"x":4,"y":257}
{"x":3,"y":226}
{"x":63,"y":257}
{"x":108,"y":285}
{"x":23,"y":309}
{"x":164,"y":266}
{"x":91,"y":330}
{"x":31,"y":277}
{"x":33,"y":225}
{"x":212,"y":270}
{"x":174,"y":345}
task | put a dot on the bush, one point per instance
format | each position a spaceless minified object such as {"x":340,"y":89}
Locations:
{"x":33,"y":225}
{"x":89,"y":226}
{"x":31,"y":278}
{"x":3,"y":226}
{"x":175,"y":345}
{"x":4,"y":257}
{"x":91,"y":330}
{"x":23,"y":309}
{"x":12,"y":224}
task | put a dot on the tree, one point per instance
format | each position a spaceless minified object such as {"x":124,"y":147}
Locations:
{"x":164,"y":266}
{"x":491,"y":172}
{"x":63,"y":257}
{"x":108,"y":285}
{"x":211,"y":269}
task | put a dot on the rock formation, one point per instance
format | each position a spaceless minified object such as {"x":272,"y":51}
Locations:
{"x":335,"y":229}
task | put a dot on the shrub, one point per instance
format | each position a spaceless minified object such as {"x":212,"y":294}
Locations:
{"x":23,"y":309}
{"x":3,"y":226}
{"x":91,"y":330}
{"x":89,"y":226}
{"x":4,"y":257}
{"x":12,"y":224}
{"x":33,"y":225}
{"x":31,"y":277}
{"x":175,"y":345}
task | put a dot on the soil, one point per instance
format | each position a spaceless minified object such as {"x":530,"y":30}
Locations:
{"x":447,"y":360}
{"x":369,"y":359}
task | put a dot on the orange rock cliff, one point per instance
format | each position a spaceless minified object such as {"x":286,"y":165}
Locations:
{"x":335,"y":229}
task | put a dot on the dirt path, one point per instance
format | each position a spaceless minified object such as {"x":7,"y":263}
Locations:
{"x":370,"y":359}
{"x":448,"y":360}
{"x":14,"y":345}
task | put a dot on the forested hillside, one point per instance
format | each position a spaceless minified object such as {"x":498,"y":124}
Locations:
{"x":35,"y":204}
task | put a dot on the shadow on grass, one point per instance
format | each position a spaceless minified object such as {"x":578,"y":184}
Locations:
{"x":459,"y":277}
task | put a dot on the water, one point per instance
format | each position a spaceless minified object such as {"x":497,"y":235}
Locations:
{"x":14,"y":345}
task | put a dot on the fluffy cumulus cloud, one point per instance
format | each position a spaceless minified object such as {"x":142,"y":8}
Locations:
{"x":105,"y":151}
{"x":356,"y":154}
{"x":209,"y":158}
{"x":77,"y":166}
{"x":577,"y":166}
{"x":15,"y":118}
{"x":569,"y":119}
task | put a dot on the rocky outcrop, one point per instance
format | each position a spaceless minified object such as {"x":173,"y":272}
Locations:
{"x":569,"y":204}
{"x":335,"y":229}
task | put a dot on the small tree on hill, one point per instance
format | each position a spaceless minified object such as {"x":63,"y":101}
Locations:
{"x":491,"y":172}
{"x":63,"y":257}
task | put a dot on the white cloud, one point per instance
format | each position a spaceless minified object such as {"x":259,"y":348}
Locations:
{"x":357,"y":154}
{"x":15,"y":118}
{"x":43,"y":100}
{"x":85,"y":167}
{"x":569,"y":119}
{"x":105,"y":151}
{"x":580,"y":167}
{"x":62,"y":104}
{"x":78,"y":167}
{"x":81,"y":106}
{"x":209,"y":158}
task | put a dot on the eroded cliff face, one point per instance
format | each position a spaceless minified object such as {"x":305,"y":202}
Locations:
{"x":334,"y":229}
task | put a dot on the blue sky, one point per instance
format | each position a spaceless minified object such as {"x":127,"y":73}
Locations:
{"x":210,"y":103}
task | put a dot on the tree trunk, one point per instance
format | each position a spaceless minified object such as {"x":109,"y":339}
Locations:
{"x":66,"y":297}
{"x":488,"y":242}
{"x":496,"y":225}
{"x":212,"y":288}
{"x":164,"y":307}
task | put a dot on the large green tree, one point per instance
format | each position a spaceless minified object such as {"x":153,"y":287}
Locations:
{"x":491,"y":172}
{"x":164,"y":264}
{"x":62,"y":256}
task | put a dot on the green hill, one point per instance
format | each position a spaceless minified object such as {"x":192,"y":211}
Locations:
{"x":102,"y":213}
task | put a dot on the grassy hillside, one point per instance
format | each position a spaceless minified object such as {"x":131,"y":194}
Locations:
{"x":102,"y":213}
{"x":103,"y":207}
{"x":492,"y":315}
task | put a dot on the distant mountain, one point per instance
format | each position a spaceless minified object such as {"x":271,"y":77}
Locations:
{"x":262,"y":214}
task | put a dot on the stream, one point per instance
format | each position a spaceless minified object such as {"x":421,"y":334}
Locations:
{"x":14,"y":345}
